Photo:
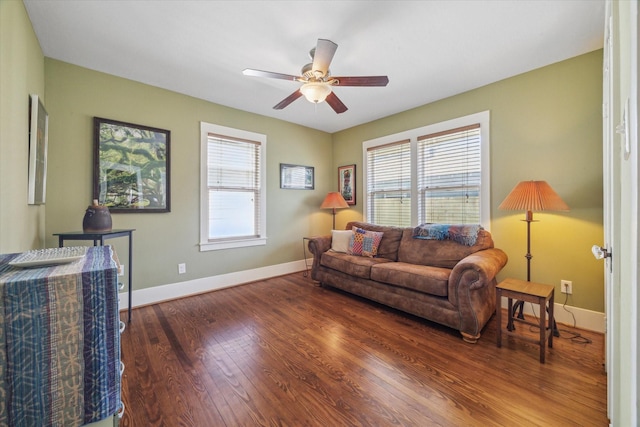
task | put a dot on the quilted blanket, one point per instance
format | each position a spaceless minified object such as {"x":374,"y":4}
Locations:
{"x":465,"y":234}
{"x":59,"y":342}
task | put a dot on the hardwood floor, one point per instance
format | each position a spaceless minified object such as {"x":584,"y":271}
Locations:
{"x":285,"y":352}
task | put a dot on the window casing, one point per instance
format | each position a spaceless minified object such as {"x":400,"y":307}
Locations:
{"x":233,"y":196}
{"x":438,"y":173}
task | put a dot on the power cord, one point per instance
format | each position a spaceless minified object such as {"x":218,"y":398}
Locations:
{"x":572,"y":336}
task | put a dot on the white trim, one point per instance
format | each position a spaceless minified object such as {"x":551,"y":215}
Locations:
{"x":205,"y":244}
{"x":585,"y":319}
{"x":231,"y":244}
{"x":173,"y":291}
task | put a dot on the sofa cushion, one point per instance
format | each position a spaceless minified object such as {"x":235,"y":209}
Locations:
{"x":364,"y":242}
{"x":421,"y":278}
{"x":351,"y":264}
{"x":340,"y":240}
{"x":439,"y":253}
{"x":388,"y":247}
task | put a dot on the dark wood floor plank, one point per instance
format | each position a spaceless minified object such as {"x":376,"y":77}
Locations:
{"x":285,"y":352}
{"x":342,"y":374}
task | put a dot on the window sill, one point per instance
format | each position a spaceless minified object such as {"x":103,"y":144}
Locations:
{"x":230,"y":244}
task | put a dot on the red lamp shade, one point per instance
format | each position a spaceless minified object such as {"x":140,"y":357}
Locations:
{"x":533,"y":196}
{"x":334,"y":201}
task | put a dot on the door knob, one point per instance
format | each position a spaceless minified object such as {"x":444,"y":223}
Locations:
{"x":600,"y":253}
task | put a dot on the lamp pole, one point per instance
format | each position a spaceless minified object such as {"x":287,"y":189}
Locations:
{"x":334,"y":219}
{"x":519,"y":305}
{"x":528,"y":256}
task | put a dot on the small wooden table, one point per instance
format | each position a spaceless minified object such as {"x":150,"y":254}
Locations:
{"x":536,"y":293}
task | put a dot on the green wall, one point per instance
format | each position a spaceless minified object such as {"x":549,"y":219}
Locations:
{"x":545,"y":125}
{"x":21,"y":74}
{"x":162,"y":240}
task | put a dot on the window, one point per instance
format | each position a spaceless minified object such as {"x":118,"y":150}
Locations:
{"x":389,"y":184}
{"x":438,"y":174}
{"x":233,"y":196}
{"x":449,"y":176}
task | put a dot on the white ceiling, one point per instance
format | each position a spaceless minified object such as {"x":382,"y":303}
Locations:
{"x":429,"y":49}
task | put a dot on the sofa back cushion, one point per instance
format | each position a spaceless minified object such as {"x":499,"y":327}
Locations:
{"x":388,"y":247}
{"x":438,"y":253}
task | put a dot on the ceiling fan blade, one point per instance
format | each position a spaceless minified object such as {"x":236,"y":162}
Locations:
{"x":335,"y":103}
{"x":269,"y":74}
{"x":325,"y":49}
{"x":288,"y":100}
{"x":362,"y":81}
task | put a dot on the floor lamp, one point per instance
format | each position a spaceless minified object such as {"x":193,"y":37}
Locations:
{"x":532,"y":196}
{"x":334,"y":201}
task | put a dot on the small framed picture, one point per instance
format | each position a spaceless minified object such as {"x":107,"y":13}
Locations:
{"x":347,"y":183}
{"x":296,"y":177}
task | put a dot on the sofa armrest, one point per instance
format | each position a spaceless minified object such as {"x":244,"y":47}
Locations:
{"x":317,"y":246}
{"x":472,"y":288}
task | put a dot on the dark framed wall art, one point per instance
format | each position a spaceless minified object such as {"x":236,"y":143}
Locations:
{"x":296,"y":177}
{"x":347,"y":183}
{"x":131,"y":167}
{"x":38,"y":145}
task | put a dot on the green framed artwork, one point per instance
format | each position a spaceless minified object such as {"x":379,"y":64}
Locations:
{"x":131,"y":167}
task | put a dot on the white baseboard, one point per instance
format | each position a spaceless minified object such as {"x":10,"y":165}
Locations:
{"x":171,"y":291}
{"x":584,"y":319}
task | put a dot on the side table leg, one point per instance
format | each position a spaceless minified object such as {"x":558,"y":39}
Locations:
{"x":130,"y":272}
{"x":543,"y":328}
{"x":552,"y":319}
{"x":499,"y":317}
{"x":510,"y":314}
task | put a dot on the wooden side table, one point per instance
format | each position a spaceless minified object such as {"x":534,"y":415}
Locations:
{"x":536,"y":293}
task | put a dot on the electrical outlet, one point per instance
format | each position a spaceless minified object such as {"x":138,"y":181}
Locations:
{"x":566,"y":287}
{"x":182,"y":268}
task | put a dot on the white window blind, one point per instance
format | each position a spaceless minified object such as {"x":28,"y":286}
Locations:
{"x":389,"y":184}
{"x":449,"y":176}
{"x":439,"y":173}
{"x":233,"y":182}
{"x":232,"y":188}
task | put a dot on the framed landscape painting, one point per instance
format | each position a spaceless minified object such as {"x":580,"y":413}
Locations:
{"x":131,"y":167}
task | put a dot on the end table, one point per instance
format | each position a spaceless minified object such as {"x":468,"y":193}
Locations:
{"x":536,"y":293}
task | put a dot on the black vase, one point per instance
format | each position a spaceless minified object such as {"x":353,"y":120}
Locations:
{"x":96,"y":219}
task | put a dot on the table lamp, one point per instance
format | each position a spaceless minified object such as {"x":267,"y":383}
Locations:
{"x":334,"y":200}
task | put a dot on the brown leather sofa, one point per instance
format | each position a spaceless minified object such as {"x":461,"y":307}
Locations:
{"x":440,"y":280}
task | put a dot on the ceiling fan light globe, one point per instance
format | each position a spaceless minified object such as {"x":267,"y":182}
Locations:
{"x":315,"y":92}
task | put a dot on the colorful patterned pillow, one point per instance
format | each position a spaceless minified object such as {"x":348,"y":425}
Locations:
{"x":364,"y":243}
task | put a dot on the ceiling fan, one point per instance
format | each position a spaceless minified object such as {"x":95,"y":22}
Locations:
{"x":316,"y":80}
